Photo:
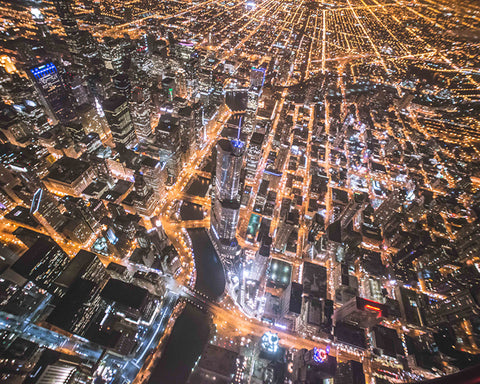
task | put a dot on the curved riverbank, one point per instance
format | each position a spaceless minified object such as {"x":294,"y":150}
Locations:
{"x":192,"y":329}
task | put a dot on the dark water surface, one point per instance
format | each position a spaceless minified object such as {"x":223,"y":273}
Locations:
{"x":192,"y":328}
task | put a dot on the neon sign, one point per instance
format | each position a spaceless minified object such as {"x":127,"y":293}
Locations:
{"x":373,"y":308}
{"x":320,"y":355}
{"x":43,"y":70}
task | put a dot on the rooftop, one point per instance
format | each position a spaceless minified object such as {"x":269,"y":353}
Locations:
{"x":67,"y":170}
{"x":130,"y":295}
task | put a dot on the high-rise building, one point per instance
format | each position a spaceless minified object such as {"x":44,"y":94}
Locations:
{"x":188,"y":135}
{"x":69,"y":176}
{"x":224,"y":220}
{"x":361,"y":312}
{"x":311,"y":367}
{"x":314,"y":278}
{"x":42,"y":263}
{"x":144,"y":199}
{"x":392,"y":204}
{"x":181,"y":83}
{"x":113,"y":54}
{"x":350,"y":372}
{"x":122,"y":85}
{"x":169,"y":142}
{"x":468,"y":241}
{"x":356,"y":204}
{"x":262,"y":258}
{"x":199,"y":125}
{"x":386,"y":342}
{"x":236,"y":99}
{"x":12,"y":126}
{"x":253,"y":154}
{"x":412,"y":306}
{"x":152,"y":174}
{"x":226,"y":206}
{"x":45,"y":209}
{"x":461,"y":306}
{"x":316,"y":315}
{"x":74,"y":131}
{"x":78,"y":89}
{"x":85,"y":265}
{"x":53,"y":93}
{"x":257,"y":77}
{"x":140,"y":106}
{"x":169,"y":87}
{"x":67,"y":17}
{"x":120,"y":120}
{"x":92,"y":120}
{"x":228,"y":167}
{"x":55,"y":367}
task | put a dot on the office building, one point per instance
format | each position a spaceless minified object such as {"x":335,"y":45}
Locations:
{"x":350,"y":372}
{"x":67,"y":17}
{"x":123,"y":85}
{"x":53,"y":93}
{"x":46,"y":210}
{"x":313,"y":366}
{"x":85,"y":265}
{"x":43,"y":31}
{"x":257,"y":77}
{"x":140,"y":107}
{"x":42,"y":263}
{"x":168,"y":142}
{"x":69,"y":176}
{"x":120,"y":121}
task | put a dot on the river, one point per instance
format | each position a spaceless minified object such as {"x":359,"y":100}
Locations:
{"x":192,"y":328}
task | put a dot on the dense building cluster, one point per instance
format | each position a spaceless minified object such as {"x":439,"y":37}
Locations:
{"x":261,"y":192}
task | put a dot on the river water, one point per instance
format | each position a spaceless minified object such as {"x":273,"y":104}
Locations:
{"x":192,"y":328}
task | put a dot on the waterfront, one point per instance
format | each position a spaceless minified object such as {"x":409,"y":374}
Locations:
{"x":192,"y":329}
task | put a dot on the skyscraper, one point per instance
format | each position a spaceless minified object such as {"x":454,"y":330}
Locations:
{"x":224,"y":220}
{"x":42,"y":263}
{"x":53,"y":94}
{"x":168,"y":140}
{"x":226,"y":206}
{"x":119,"y":120}
{"x":140,"y":108}
{"x":350,"y":372}
{"x":229,"y":164}
{"x":123,"y":85}
{"x":113,"y":55}
{"x":181,"y":83}
{"x":69,"y":23}
{"x":45,"y":209}
{"x":313,"y":366}
{"x":257,"y":77}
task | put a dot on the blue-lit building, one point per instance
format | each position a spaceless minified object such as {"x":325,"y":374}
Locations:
{"x":53,"y":93}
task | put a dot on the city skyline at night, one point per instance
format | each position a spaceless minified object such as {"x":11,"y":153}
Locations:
{"x":239,"y":191}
